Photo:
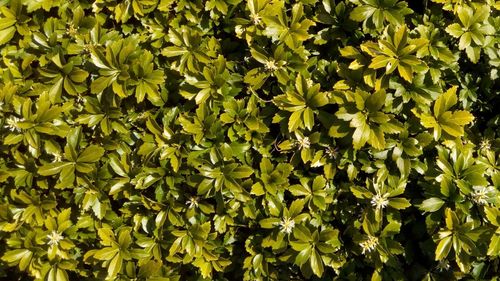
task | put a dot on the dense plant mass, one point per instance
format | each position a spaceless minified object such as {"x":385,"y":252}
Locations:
{"x":249,"y":140}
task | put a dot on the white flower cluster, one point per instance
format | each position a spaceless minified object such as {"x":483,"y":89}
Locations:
{"x":271,"y":65}
{"x":369,"y":244}
{"x":12,"y":124}
{"x":287,"y":225}
{"x":54,"y":238}
{"x":481,"y":194}
{"x":380,"y":201}
{"x":304,"y":142}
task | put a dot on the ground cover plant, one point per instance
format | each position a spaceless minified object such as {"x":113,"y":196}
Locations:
{"x":249,"y":140}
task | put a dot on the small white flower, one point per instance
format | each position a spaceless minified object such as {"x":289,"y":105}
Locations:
{"x":369,"y":244}
{"x":304,"y":142}
{"x":57,"y":157}
{"x":54,"y":238}
{"x":485,"y":144}
{"x":271,"y":65}
{"x":256,"y":19}
{"x":88,"y":47}
{"x":287,"y":225}
{"x":12,"y":124}
{"x":331,"y":152}
{"x":239,"y":30}
{"x":192,"y":202}
{"x":380,"y":201}
{"x":482,"y":194}
{"x":80,"y":99}
{"x":71,"y":29}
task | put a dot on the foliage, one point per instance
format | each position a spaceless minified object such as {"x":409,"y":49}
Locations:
{"x":249,"y":140}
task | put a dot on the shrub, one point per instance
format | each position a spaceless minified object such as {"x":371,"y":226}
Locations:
{"x":249,"y":140}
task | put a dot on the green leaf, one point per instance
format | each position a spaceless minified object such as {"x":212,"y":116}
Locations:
{"x":445,"y":101}
{"x":376,"y":139}
{"x":431,"y":205}
{"x":360,"y":136}
{"x":376,"y":101}
{"x":316,"y":263}
{"x":308,"y":118}
{"x":100,"y":84}
{"x":299,"y":190}
{"x":106,"y":253}
{"x":361,"y":192}
{"x":473,"y":53}
{"x":465,"y":14}
{"x":392,"y":228}
{"x":399,"y":203}
{"x":303,"y":256}
{"x":61,"y":275}
{"x":52,"y":168}
{"x":493,"y":215}
{"x":443,"y":248}
{"x":15,"y":255}
{"x":451,"y":219}
{"x":302,"y":233}
{"x":117,"y":166}
{"x":241,"y":172}
{"x":90,"y":154}
{"x":7,"y":21}
{"x":454,"y":30}
{"x":115,"y":266}
{"x":295,"y":121}
{"x":295,"y":209}
{"x":494,"y":246}
{"x":269,"y":222}
{"x":465,"y":40}
{"x":7,"y":34}
{"x":449,"y":127}
{"x":362,"y":13}
{"x":406,"y":72}
{"x":78,"y":75}
{"x":462,"y":117}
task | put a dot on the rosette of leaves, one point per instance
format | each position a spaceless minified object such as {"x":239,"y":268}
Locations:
{"x":462,"y":236}
{"x":217,"y":82}
{"x":122,"y":12}
{"x":273,"y":66}
{"x":336,"y":17}
{"x":473,"y":29}
{"x":375,"y":14}
{"x":121,"y":67}
{"x":364,"y":113}
{"x":30,"y":124}
{"x":291,"y":30}
{"x":303,"y":101}
{"x":444,"y":120}
{"x":190,"y":49}
{"x":282,"y":221}
{"x":13,"y":21}
{"x":252,"y":24}
{"x":382,"y":195}
{"x":314,"y":248}
{"x":77,"y":160}
{"x":103,"y":114}
{"x":397,"y":51}
{"x":64,"y":75}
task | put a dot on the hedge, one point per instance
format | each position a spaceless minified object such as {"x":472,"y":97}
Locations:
{"x":249,"y":140}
